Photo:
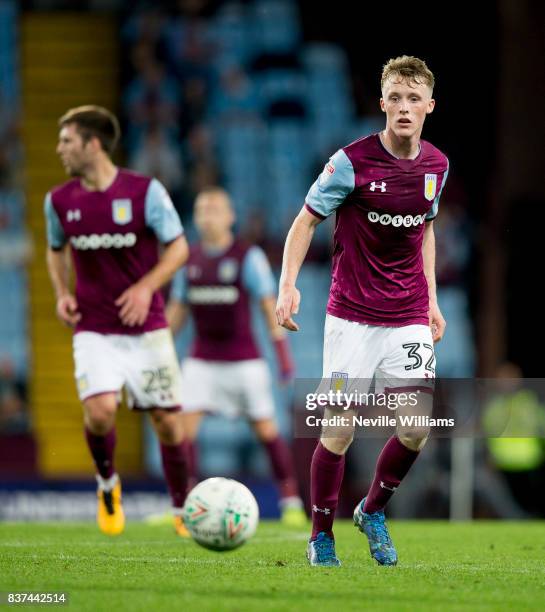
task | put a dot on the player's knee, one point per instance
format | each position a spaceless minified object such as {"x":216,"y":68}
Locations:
{"x":414,"y":438}
{"x":339,"y":445}
{"x":190,"y":424}
{"x":336,"y":435}
{"x":168,"y":426}
{"x":100,"y":415}
{"x":265,"y":430}
{"x":100,"y":423}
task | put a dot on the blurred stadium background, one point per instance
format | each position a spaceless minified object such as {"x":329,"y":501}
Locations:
{"x":255,"y":96}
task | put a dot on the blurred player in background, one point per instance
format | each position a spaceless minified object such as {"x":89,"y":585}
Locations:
{"x":114,"y":221}
{"x":382,"y":315}
{"x":226,"y":373}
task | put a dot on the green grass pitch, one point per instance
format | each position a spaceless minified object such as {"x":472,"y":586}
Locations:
{"x":465,"y":566}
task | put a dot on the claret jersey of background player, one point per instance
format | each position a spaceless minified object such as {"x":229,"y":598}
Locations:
{"x":114,"y":235}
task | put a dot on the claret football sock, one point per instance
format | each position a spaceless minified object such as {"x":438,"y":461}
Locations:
{"x":326,"y":476}
{"x":191,"y":463}
{"x":393,"y":463}
{"x":102,"y":450}
{"x":175,"y":468}
{"x":282,"y":467}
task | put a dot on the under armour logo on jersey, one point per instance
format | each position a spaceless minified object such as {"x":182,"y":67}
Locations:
{"x":381,"y":186}
{"x":73,"y":215}
{"x":385,"y":486}
{"x":324,"y":510}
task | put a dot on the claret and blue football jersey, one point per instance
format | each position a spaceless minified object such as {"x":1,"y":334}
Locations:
{"x":382,"y":204}
{"x":114,"y":235}
{"x":219,"y":287}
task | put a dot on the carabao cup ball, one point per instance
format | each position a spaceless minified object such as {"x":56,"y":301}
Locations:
{"x":221,"y":514}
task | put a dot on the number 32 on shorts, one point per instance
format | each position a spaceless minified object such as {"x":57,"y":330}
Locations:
{"x":418,"y":352}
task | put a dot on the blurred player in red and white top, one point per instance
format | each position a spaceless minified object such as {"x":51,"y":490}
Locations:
{"x":113,"y":222}
{"x":225,"y":372}
{"x":382,"y":314}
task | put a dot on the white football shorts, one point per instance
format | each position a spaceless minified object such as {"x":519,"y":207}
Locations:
{"x":228,"y":388}
{"x":397,"y":357}
{"x":146,"y":365}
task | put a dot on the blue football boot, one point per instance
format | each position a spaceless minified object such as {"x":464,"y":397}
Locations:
{"x":321,"y":551}
{"x":373,"y":525}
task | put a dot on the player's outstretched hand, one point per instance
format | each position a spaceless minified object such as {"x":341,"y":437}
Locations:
{"x":437,"y":322}
{"x":134,"y":304}
{"x":286,"y":306}
{"x":67,"y":309}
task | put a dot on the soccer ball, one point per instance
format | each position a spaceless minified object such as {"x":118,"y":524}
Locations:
{"x":220,"y":514}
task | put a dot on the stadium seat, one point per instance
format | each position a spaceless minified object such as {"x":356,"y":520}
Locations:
{"x":232,"y":30}
{"x":276,"y":26}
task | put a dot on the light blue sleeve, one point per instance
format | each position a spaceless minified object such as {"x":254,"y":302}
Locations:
{"x":55,"y":234}
{"x":432,"y":213}
{"x":332,"y":187}
{"x":160,"y":213}
{"x":257,"y":276}
{"x":178,"y":288}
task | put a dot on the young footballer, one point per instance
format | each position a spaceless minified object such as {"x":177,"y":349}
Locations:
{"x":382,"y":315}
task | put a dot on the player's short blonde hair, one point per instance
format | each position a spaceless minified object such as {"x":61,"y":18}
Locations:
{"x":93,"y":121}
{"x":407,"y":67}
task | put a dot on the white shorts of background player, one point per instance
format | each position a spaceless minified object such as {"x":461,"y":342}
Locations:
{"x":146,"y":365}
{"x":228,"y":388}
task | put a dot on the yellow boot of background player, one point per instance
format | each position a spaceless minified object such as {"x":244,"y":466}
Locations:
{"x":110,"y":515}
{"x":166,"y":518}
{"x":180,"y":528}
{"x":292,"y":513}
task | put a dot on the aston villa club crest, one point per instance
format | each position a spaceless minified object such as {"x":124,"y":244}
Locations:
{"x":83,"y":383}
{"x":122,"y":211}
{"x":228,"y":270}
{"x":338,"y":381}
{"x":430,"y":186}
